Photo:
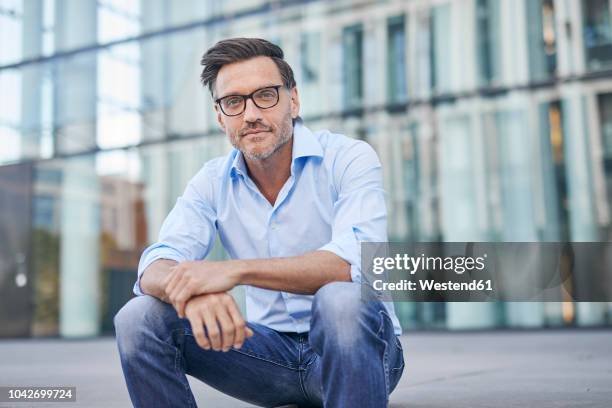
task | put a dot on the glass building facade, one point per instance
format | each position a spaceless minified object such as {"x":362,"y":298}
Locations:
{"x":492,"y":118}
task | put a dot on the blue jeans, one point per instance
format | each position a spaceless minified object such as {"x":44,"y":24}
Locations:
{"x":350,"y":358}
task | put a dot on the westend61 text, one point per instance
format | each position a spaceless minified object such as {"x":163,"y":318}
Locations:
{"x":430,"y":284}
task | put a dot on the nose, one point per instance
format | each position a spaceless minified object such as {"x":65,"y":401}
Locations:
{"x":251,"y":112}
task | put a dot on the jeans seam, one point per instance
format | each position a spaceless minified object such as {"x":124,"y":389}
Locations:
{"x":385,"y":352}
{"x":257,"y":356}
{"x":310,"y":361}
{"x":398,"y":345}
{"x":302,"y":370}
{"x":177,"y":365}
{"x":253,"y":355}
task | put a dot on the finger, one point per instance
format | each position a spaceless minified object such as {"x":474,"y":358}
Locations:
{"x":197,"y":328}
{"x":212,"y":329}
{"x":168,"y":277}
{"x":249,"y":332}
{"x":179,"y":283}
{"x":239,"y":323}
{"x":180,"y":300}
{"x":172,"y":280}
{"x":228,"y":330}
{"x":165,"y":284}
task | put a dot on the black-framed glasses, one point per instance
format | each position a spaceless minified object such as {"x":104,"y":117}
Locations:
{"x":263,"y":98}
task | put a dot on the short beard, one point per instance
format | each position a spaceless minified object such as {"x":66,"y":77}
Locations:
{"x":285,"y":133}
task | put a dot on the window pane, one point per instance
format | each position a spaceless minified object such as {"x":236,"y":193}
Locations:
{"x":542,"y":39}
{"x":11,"y":15}
{"x":118,"y":108}
{"x":487,"y":38}
{"x":605,"y":114}
{"x":440,"y":48}
{"x":597,"y":33}
{"x":309,"y":57}
{"x":352,"y":41}
{"x":605,"y":107}
{"x":396,"y":54}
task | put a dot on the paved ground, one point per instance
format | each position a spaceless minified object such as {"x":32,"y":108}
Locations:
{"x":493,"y":369}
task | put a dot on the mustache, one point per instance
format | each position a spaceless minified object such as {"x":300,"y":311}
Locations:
{"x":256,"y":127}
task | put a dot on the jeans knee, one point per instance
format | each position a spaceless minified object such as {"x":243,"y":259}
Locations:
{"x":336,"y":312}
{"x":140,"y":316}
{"x":337,"y":300}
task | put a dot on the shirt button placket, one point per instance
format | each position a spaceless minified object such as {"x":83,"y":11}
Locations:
{"x":272,"y":236}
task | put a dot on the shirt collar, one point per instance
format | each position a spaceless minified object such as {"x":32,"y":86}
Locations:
{"x":238,"y":164}
{"x":305,"y":144}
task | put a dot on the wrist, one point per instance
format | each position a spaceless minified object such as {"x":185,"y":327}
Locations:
{"x":240,"y":271}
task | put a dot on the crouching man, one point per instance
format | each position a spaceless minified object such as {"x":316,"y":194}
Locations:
{"x":291,"y":207}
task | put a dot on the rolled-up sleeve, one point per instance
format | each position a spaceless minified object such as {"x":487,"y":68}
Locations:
{"x":188,"y":232}
{"x":360,"y":213}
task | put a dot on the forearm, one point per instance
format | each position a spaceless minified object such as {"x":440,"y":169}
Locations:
{"x":152,"y":279}
{"x":303,"y":274}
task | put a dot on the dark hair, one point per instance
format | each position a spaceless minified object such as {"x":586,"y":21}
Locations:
{"x":240,"y":49}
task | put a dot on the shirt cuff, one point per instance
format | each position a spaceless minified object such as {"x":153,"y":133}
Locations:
{"x":150,"y":255}
{"x":350,"y":251}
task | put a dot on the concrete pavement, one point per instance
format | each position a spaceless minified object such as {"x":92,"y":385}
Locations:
{"x":571,"y":368}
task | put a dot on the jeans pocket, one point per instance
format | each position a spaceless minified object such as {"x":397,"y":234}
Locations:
{"x":394,"y":353}
{"x":400,"y":354}
{"x":400,"y":351}
{"x":396,"y":364}
{"x":394,"y":346}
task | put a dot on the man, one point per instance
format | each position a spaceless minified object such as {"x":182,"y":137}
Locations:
{"x":291,"y":208}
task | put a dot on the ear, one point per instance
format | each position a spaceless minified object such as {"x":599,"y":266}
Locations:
{"x":295,"y":102}
{"x":220,"y":117}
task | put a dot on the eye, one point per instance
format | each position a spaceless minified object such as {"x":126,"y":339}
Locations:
{"x":266,"y":94}
{"x":232,"y":101}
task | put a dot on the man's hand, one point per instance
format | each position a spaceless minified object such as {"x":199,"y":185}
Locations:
{"x":188,"y":279}
{"x":219,"y":315}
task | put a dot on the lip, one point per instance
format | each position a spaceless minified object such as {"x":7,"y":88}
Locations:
{"x":254,"y":132}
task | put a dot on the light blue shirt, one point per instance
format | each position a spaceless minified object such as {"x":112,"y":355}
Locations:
{"x":332,"y":201}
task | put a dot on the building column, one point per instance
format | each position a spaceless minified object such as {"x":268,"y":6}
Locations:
{"x":463,"y":209}
{"x":583,"y":219}
{"x":32,"y":78}
{"x":76,"y":26}
{"x":76,"y":78}
{"x":518,"y":220}
{"x":80,"y":247}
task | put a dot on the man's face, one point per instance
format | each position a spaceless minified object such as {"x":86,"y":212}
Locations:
{"x":258,"y":133}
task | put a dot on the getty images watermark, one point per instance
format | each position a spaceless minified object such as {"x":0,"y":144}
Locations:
{"x":485,"y":271}
{"x":414,"y":264}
